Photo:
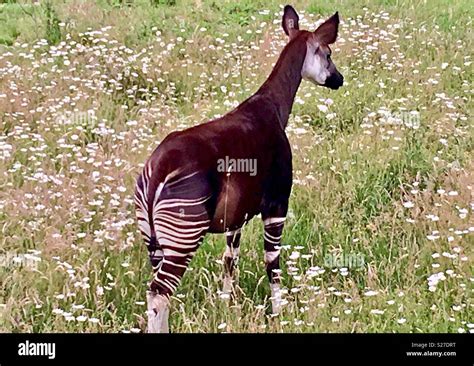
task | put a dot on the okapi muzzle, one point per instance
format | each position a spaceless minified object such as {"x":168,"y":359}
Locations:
{"x":186,"y":189}
{"x":335,"y":80}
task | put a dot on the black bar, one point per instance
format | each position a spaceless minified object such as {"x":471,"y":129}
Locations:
{"x":344,"y":349}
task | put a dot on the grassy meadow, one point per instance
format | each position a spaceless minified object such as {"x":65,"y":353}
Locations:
{"x":380,"y":234}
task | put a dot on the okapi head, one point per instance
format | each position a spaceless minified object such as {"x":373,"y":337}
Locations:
{"x":318,"y":66}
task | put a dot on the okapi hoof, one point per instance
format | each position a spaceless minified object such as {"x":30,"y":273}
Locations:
{"x":158,"y":313}
{"x":276,"y":298}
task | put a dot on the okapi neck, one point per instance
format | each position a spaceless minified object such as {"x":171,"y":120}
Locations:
{"x":285,"y":78}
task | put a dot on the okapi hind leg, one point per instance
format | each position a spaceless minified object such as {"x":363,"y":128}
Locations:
{"x":180,"y":219}
{"x":231,"y":257}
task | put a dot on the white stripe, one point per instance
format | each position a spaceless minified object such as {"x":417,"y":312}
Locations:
{"x":179,"y":222}
{"x":170,"y":252}
{"x":177,"y":243}
{"x":184,"y":231}
{"x":171,"y":175}
{"x":272,"y":237}
{"x":271,"y":256}
{"x":164,"y":203}
{"x":169,"y":275}
{"x":171,"y":287}
{"x":271,"y":241}
{"x":274,"y":220}
{"x":233,"y":232}
{"x":174,"y":264}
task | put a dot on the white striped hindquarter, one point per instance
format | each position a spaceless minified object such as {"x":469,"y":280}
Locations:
{"x":173,"y":218}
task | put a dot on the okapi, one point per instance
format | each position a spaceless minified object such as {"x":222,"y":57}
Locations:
{"x":182,"y":194}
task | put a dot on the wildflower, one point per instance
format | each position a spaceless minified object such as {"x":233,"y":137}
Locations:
{"x":370,"y":293}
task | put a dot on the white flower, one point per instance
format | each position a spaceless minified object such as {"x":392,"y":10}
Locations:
{"x":371,"y":293}
{"x":99,"y":290}
{"x":294,"y":255}
{"x":224,"y":296}
{"x":401,"y":321}
{"x":323,"y":108}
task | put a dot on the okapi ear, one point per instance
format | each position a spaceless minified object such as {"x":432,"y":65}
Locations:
{"x":327,"y":32}
{"x":290,"y":21}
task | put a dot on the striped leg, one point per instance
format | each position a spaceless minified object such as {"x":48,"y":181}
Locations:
{"x":231,"y":257}
{"x":181,"y":220}
{"x":272,"y":238}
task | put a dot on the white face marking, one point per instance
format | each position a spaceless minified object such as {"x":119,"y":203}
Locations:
{"x":315,"y":66}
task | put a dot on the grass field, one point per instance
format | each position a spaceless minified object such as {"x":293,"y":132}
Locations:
{"x":380,"y":236}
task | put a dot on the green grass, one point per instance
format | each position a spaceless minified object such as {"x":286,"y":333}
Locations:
{"x":67,"y":179}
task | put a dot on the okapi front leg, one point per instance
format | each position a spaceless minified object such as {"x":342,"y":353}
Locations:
{"x":272,"y":239}
{"x":231,"y":257}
